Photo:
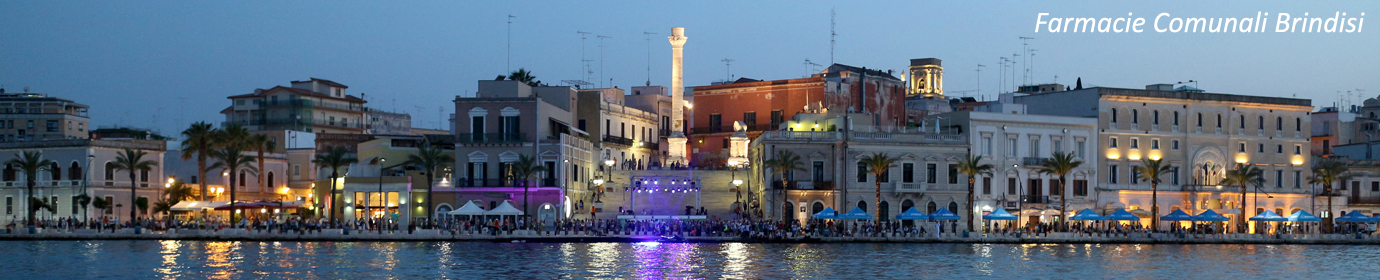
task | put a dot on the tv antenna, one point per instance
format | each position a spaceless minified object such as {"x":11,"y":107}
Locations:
{"x":979,"y":80}
{"x":810,"y":70}
{"x":1030,"y":58}
{"x":601,"y":58}
{"x":1025,"y":45}
{"x":576,"y":83}
{"x":510,"y":42}
{"x":833,"y":36}
{"x":728,"y":73}
{"x":582,"y":54}
{"x":649,"y":56}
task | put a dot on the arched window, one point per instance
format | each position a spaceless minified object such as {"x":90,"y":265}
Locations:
{"x":1259,"y":210}
{"x":1242,"y":125}
{"x":1176,"y":117}
{"x":442,"y":211}
{"x":269,"y":182}
{"x":1200,"y":119}
{"x":862,"y":205}
{"x":74,"y":173}
{"x":931,"y":208}
{"x":1279,"y":123}
{"x":814,"y":209}
{"x":953,"y":207}
{"x":1298,"y":124}
{"x":241,"y":182}
{"x":1113,"y":115}
{"x":1135,"y":117}
{"x":9,"y":173}
{"x":906,"y":205}
{"x":1219,"y":120}
{"x":787,"y":209}
{"x":56,"y":172}
{"x":109,"y":171}
{"x":1261,"y":122}
{"x":1155,"y":117}
{"x":885,"y":213}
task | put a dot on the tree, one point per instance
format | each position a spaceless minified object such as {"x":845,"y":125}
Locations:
{"x":30,"y":163}
{"x":526,"y":168}
{"x":524,"y":76}
{"x":431,"y":159}
{"x":82,"y":200}
{"x":133,"y":160}
{"x":334,"y":158}
{"x":1060,"y":165}
{"x":36,"y":204}
{"x":878,"y":164}
{"x":232,"y":142}
{"x":261,"y":143}
{"x":1150,"y":171}
{"x":141,"y":203}
{"x":784,"y":163}
{"x":972,"y":166}
{"x":100,"y":203}
{"x":200,"y":140}
{"x":1327,"y":172}
{"x":1244,"y":174}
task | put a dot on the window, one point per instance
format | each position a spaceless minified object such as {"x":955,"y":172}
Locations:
{"x":54,"y":126}
{"x":907,"y":173}
{"x":1176,"y":118}
{"x":931,"y":173}
{"x":144,"y":175}
{"x":1056,"y":146}
{"x":1011,"y":147}
{"x":1080,"y":148}
{"x":31,"y":124}
{"x":241,"y":182}
{"x":1111,"y":142}
{"x":1242,"y":125}
{"x":885,"y":176}
{"x":1298,"y":181}
{"x":953,"y":174}
{"x":1219,"y":120}
{"x":1241,"y":148}
{"x":1111,"y":174}
{"x":296,"y":170}
{"x":9,"y":205}
{"x":1135,"y":175}
{"x":987,"y":186}
{"x":1298,"y":149}
{"x":1034,"y":147}
{"x":1011,"y":186}
{"x":1155,"y":117}
{"x":1175,"y":174}
{"x":1200,"y":119}
{"x":1260,"y":148}
{"x":1135,"y":143}
{"x":862,"y":172}
{"x":777,"y":117}
{"x":1279,"y":149}
{"x":1135,"y":117}
{"x":1279,"y":178}
{"x":1298,"y":124}
{"x":1080,"y":187}
{"x":1054,"y":188}
{"x":716,"y":123}
{"x":750,"y":118}
{"x":581,"y":124}
{"x":1174,"y":144}
{"x":109,"y":210}
{"x":1155,"y":144}
{"x":1260,"y":122}
{"x":1279,"y":123}
{"x":1113,"y":115}
{"x":987,"y":146}
{"x":817,"y":171}
{"x":1374,"y":186}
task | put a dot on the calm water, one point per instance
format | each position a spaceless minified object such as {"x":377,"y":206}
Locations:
{"x":429,"y":260}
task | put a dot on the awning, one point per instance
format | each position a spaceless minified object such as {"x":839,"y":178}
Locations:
{"x":999,"y":215}
{"x":1353,"y":217}
{"x":1269,"y":216}
{"x":856,"y":214}
{"x":505,"y":209}
{"x":1210,"y":216}
{"x":827,"y":213}
{"x":1177,"y":215}
{"x":1088,"y":215}
{"x":1123,"y":215}
{"x":944,"y":214}
{"x":1303,"y":216}
{"x":912,"y":214}
{"x":469,"y":210}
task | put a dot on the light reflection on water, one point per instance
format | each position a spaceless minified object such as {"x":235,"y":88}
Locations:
{"x":411,"y":260}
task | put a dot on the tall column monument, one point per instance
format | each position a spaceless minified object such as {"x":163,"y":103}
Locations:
{"x":677,"y":139}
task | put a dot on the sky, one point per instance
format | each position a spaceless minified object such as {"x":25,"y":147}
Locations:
{"x":165,"y":64}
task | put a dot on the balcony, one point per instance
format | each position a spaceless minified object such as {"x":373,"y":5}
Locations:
{"x":1354,"y":200}
{"x":910,"y":187}
{"x":308,"y":104}
{"x":490,"y":138}
{"x":729,"y":128}
{"x":802,"y":135}
{"x":1034,"y":161}
{"x":501,"y":183}
{"x":1036,"y":199}
{"x":610,"y":139}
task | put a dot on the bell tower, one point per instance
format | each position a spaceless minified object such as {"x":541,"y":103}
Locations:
{"x":926,"y":78}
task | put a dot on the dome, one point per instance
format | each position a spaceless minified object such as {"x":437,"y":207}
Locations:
{"x":1371,"y":103}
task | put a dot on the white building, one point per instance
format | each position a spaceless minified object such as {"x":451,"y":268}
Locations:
{"x":71,"y":175}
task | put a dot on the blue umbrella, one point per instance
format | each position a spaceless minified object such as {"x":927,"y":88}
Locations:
{"x":1269,"y":216}
{"x":856,"y":214}
{"x":1353,"y":217}
{"x":912,"y":214}
{"x":1177,"y":215}
{"x":1000,"y":215}
{"x":1210,"y":216}
{"x":944,"y":214}
{"x":1303,"y":216}
{"x":1122,"y":215}
{"x":1087,"y":215}
{"x":827,"y":213}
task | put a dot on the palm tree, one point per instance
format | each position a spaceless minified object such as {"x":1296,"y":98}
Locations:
{"x":30,"y":163}
{"x":200,"y":140}
{"x":101,"y":204}
{"x":334,"y":158}
{"x":1327,"y":172}
{"x":784,"y":163}
{"x":526,"y":168}
{"x":431,"y":159}
{"x":878,"y":164}
{"x":141,"y":203}
{"x":133,"y":160}
{"x":1244,"y":174}
{"x":262,"y":144}
{"x":524,"y":76}
{"x":1060,"y":165}
{"x":972,"y":167}
{"x":231,"y":143}
{"x":1150,"y":171}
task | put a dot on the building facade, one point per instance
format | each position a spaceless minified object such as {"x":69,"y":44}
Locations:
{"x":38,"y":117}
{"x":72,"y":175}
{"x":314,"y":105}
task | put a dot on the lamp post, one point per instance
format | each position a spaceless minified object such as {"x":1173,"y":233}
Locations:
{"x":86,"y":180}
{"x":737,"y":184}
{"x":382,"y":198}
{"x":608,"y":171}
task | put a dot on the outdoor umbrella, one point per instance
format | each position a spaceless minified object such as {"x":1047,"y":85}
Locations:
{"x":827,"y":213}
{"x":1088,"y":215}
{"x":1177,"y":215}
{"x":944,"y":214}
{"x":856,"y":214}
{"x":1353,"y":217}
{"x":1122,"y":215}
{"x":912,"y":214}
{"x":1269,"y":216}
{"x":1303,"y":216}
{"x":1210,"y":216}
{"x":999,"y":215}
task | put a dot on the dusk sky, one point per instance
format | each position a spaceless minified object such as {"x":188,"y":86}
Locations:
{"x":165,"y":64}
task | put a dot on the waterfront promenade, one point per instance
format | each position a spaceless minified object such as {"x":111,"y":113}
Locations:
{"x":532,"y":236}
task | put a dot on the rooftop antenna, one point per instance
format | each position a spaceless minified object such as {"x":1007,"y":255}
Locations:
{"x":649,"y":56}
{"x":1030,"y":70}
{"x":577,"y":83}
{"x":979,"y":80}
{"x":1001,"y":74}
{"x":582,"y":54}
{"x":1013,"y":69}
{"x":440,"y":117}
{"x":1025,"y":45}
{"x":833,"y":36}
{"x":808,"y":68}
{"x":510,"y":42}
{"x":728,"y":73}
{"x":601,"y":58}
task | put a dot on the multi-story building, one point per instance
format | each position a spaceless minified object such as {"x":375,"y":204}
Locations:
{"x":247,"y":187}
{"x":625,"y":134}
{"x":385,"y":122}
{"x":925,"y":176}
{"x":509,"y":119}
{"x":765,"y":105}
{"x":314,"y":105}
{"x":1331,"y":127}
{"x":1017,"y":145}
{"x":71,"y":175}
{"x":1201,"y":135}
{"x":38,"y":117}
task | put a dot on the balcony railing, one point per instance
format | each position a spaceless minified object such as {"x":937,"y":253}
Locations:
{"x":500,"y":183}
{"x":1034,"y":161}
{"x":1039,"y":199}
{"x":476,"y":138}
{"x":1363,"y":200}
{"x":618,"y":140}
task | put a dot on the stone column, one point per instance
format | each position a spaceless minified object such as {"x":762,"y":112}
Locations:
{"x":677,"y":139}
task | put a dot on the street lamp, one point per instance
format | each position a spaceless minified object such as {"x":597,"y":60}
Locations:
{"x":383,"y":197}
